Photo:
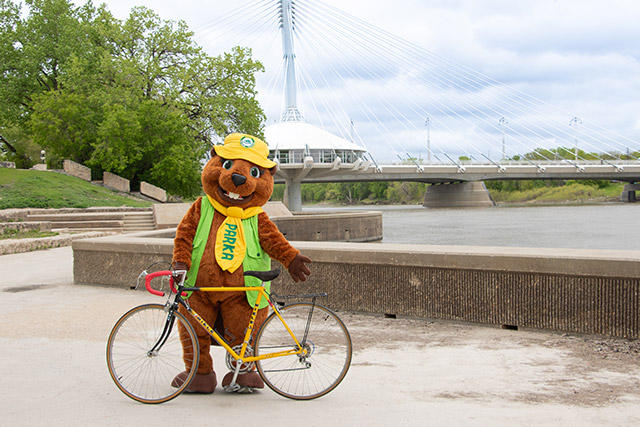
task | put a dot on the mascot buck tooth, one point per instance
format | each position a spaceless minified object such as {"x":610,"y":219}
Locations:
{"x":223,"y":234}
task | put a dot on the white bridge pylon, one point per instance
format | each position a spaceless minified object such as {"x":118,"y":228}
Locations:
{"x":301,"y":149}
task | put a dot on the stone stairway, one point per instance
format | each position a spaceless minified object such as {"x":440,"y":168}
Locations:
{"x":138,"y":221}
{"x":117,"y":220}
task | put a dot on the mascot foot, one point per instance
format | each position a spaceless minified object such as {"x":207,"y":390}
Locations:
{"x":202,"y":383}
{"x":245,"y":383}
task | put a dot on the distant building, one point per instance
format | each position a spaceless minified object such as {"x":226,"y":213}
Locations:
{"x":290,"y":142}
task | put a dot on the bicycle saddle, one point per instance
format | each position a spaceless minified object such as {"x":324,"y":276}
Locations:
{"x":265,"y":276}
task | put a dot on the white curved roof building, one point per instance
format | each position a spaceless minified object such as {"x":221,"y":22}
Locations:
{"x":290,"y":142}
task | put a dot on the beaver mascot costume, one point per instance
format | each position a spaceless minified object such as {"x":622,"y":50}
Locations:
{"x":220,"y":236}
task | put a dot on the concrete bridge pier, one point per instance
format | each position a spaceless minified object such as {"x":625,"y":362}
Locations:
{"x":293,"y":195}
{"x":458,"y":195}
{"x":629,"y":193}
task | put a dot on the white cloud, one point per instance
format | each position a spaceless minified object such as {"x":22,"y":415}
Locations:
{"x":580,"y":56}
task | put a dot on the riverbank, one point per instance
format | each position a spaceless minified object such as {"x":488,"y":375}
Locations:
{"x":502,"y":192}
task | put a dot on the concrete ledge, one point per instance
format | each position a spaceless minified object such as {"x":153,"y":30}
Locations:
{"x":572,"y":290}
{"x":169,"y":215}
{"x":356,"y":226}
{"x":77,"y":170}
{"x":25,"y":226}
{"x":14,"y":246}
{"x":153,"y":192}
{"x":116,"y":182}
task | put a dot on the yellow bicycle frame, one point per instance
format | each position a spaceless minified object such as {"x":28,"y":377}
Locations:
{"x":240,"y":356}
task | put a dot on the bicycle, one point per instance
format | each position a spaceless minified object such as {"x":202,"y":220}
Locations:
{"x":303,"y":357}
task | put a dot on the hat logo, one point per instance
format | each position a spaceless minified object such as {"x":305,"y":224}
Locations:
{"x":247,"y":142}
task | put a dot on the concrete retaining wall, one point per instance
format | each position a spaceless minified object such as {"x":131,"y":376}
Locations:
{"x":152,"y":191}
{"x":116,"y":182}
{"x":336,"y":227}
{"x":342,"y":226}
{"x":25,"y":226}
{"x":570,"y":290}
{"x":77,"y":170}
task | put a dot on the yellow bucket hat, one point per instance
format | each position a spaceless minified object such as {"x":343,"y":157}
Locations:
{"x":246,"y":147}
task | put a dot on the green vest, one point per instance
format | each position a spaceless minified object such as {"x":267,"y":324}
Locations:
{"x":255,"y":258}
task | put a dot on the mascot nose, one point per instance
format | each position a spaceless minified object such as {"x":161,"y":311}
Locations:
{"x":238,"y":179}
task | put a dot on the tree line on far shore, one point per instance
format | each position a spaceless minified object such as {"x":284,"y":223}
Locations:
{"x":515,"y":191}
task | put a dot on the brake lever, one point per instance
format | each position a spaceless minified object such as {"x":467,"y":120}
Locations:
{"x":140,"y":277}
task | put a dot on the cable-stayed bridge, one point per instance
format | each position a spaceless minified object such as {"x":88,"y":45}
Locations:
{"x":415,"y":114}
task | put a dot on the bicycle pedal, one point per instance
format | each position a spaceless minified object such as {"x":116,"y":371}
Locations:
{"x":237,"y":388}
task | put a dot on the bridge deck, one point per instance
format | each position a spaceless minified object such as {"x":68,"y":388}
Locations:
{"x":451,"y":173}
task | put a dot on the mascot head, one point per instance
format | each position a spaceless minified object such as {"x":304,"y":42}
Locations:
{"x":239,"y":172}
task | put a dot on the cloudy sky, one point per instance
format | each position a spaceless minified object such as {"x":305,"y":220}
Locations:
{"x":579,"y":56}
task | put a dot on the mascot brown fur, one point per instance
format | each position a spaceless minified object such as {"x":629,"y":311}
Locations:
{"x":239,"y":175}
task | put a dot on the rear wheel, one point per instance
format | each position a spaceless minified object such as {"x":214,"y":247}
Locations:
{"x":144,"y":353}
{"x":327,"y":346}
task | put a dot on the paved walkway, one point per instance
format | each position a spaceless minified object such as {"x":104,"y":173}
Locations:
{"x":52,"y":345}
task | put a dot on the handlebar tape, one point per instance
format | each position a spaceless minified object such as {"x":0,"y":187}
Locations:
{"x":150,"y":276}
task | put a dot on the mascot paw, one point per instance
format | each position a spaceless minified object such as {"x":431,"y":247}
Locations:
{"x":245,"y":383}
{"x":202,"y":383}
{"x":298,"y":268}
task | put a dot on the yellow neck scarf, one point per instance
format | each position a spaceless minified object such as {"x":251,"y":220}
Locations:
{"x":231,"y":245}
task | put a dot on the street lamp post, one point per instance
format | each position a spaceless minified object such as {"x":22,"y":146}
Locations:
{"x":575,"y":122}
{"x":427,"y":123}
{"x":502,"y":123}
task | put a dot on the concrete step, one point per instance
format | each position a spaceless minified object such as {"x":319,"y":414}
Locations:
{"x":81,"y":216}
{"x":88,"y":225}
{"x":113,"y":220}
{"x":139,"y":221}
{"x":109,"y":230}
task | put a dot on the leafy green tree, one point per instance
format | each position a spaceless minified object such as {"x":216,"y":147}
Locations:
{"x":137,"y":97}
{"x":17,"y":147}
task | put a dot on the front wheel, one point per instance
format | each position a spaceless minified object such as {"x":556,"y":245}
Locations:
{"x":144,"y":353}
{"x":327,"y":346}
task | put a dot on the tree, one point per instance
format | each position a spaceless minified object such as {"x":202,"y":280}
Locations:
{"x":138,"y":98}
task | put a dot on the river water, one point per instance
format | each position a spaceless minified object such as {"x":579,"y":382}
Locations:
{"x":605,"y":226}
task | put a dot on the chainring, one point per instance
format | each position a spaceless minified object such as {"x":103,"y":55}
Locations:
{"x":232,"y":362}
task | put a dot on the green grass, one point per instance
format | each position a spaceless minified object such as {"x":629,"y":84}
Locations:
{"x":573,"y":193}
{"x":21,"y":188}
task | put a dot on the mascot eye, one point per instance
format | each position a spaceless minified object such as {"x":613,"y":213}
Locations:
{"x":227,"y":164}
{"x":254,"y":172}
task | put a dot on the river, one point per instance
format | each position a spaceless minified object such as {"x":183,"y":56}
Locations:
{"x":605,"y":226}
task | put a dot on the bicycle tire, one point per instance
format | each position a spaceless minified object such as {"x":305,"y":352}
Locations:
{"x":144,"y":376}
{"x":329,"y":344}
